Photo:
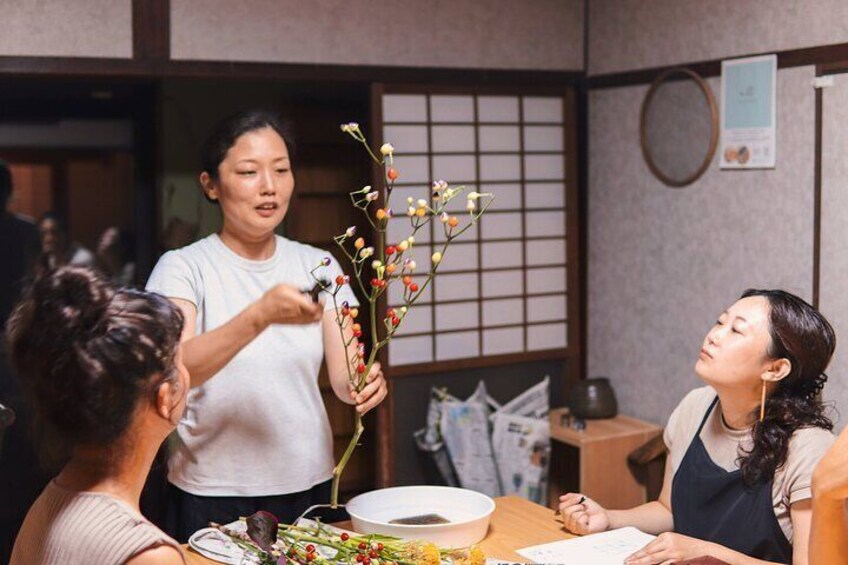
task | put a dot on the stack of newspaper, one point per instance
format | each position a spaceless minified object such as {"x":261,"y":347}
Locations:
{"x":497,"y":450}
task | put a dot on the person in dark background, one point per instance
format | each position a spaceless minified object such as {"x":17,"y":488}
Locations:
{"x":116,"y":255}
{"x":57,"y":249}
{"x":20,"y":479}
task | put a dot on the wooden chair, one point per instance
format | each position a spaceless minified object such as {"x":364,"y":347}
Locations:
{"x":648,"y":465}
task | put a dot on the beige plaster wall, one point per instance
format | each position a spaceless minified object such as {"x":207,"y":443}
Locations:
{"x":636,"y":34}
{"x":57,"y":28}
{"x":496,"y":34}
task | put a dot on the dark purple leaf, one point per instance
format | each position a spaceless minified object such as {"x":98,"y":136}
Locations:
{"x":262,"y":529}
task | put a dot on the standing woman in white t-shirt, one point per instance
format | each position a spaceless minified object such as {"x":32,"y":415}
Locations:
{"x":255,"y":435}
{"x":742,"y":450}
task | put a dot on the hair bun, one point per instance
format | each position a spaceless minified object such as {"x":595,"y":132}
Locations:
{"x":71,"y":302}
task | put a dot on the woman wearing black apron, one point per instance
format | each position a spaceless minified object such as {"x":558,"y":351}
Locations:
{"x":741,"y":450}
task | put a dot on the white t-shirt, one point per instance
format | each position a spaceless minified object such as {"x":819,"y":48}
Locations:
{"x":791,"y":481}
{"x":258,"y":427}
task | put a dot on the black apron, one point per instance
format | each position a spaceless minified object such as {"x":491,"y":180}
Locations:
{"x":712,"y":504}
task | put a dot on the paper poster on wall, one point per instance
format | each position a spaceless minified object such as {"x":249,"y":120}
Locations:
{"x":748,"y":113}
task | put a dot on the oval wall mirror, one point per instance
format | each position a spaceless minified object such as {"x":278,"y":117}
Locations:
{"x":678,"y":128}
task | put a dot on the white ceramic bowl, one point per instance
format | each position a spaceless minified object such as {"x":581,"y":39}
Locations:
{"x":468,"y":513}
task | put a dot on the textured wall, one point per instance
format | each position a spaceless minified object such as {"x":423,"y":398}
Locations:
{"x":833,"y":299}
{"x":497,"y":34}
{"x":663,"y":262}
{"x":57,"y":28}
{"x":634,"y":34}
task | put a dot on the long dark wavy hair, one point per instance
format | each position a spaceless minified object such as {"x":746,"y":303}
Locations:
{"x":802,"y":335}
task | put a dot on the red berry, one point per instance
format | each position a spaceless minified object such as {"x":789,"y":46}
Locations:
{"x":366,"y":560}
{"x":390,"y":250}
{"x":310,"y":548}
{"x":392,"y":174}
{"x":340,"y":280}
{"x":375,"y":282}
{"x":413,"y":287}
{"x":362,"y":544}
{"x":361,"y":369}
{"x":372,"y":554}
{"x":379,"y":547}
{"x":344,"y":536}
{"x":407,"y":280}
{"x":357,"y":333}
{"x":390,"y":313}
{"x":345,"y":311}
{"x":395,"y":320}
{"x":310,"y":556}
{"x":359,"y":557}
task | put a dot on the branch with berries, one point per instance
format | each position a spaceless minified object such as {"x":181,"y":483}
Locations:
{"x":381,"y":264}
{"x":315,"y":543}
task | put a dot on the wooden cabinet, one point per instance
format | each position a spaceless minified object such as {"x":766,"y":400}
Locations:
{"x":601,"y":450}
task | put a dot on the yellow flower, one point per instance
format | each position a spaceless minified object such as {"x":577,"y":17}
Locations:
{"x":436,"y":257}
{"x":422,"y":553}
{"x":387,"y":149}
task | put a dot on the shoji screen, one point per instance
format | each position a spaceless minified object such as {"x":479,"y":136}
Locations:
{"x":501,"y":289}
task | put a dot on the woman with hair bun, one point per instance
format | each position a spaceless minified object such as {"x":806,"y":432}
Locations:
{"x":102,"y":369}
{"x":742,"y":450}
{"x":256,"y":435}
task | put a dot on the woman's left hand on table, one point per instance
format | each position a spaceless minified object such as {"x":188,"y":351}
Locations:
{"x":669,"y":547}
{"x":372,"y":393}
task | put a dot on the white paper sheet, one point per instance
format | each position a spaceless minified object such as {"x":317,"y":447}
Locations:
{"x":606,"y":548}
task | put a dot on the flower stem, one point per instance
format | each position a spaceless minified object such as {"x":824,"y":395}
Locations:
{"x":337,"y":472}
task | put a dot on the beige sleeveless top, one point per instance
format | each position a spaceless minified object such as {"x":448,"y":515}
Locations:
{"x":70,"y":527}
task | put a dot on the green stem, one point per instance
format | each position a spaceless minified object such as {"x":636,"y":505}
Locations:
{"x":337,"y":472}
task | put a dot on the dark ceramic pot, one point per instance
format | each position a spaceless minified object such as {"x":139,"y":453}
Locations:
{"x":593,"y":399}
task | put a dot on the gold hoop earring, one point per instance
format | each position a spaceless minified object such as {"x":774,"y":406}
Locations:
{"x":763,"y":403}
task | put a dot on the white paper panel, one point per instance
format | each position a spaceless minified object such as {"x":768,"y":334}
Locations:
{"x":500,"y":225}
{"x":407,"y":139}
{"x":503,"y":340}
{"x":460,"y":256}
{"x":497,"y":109}
{"x":456,"y":287}
{"x":453,"y":138}
{"x":418,"y":319}
{"x":542,"y":308}
{"x":404,"y":108}
{"x":503,"y":283}
{"x":552,"y":279}
{"x":500,"y":312}
{"x":457,"y":345}
{"x":500,"y":167}
{"x":542,"y":224}
{"x":544,"y":138}
{"x":396,"y":292}
{"x":502,"y":254}
{"x":400,"y":228}
{"x":544,"y":167}
{"x":413,"y":169}
{"x":455,"y":169}
{"x":457,"y":316}
{"x":544,"y":195}
{"x":542,"y":109}
{"x":507,"y":196}
{"x":546,"y":252}
{"x":451,"y":108}
{"x":500,"y":138}
{"x":408,"y":350}
{"x":547,"y":336}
